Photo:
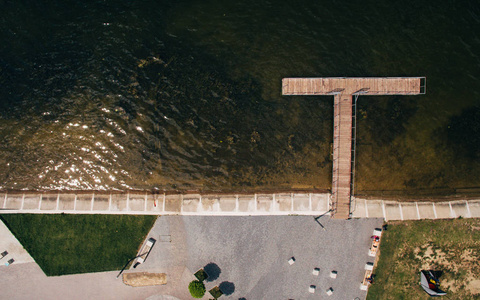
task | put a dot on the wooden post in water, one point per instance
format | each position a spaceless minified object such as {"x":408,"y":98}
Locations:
{"x":343,"y":89}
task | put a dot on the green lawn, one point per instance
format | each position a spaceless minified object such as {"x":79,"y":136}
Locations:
{"x":451,"y":246}
{"x":67,"y":244}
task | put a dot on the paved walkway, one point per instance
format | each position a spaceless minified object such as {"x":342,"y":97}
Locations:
{"x":9,"y":243}
{"x":393,"y":210}
{"x":167,"y":204}
{"x":27,"y":281}
{"x":294,"y":203}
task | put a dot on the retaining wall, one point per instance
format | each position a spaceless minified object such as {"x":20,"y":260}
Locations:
{"x":165,"y":204}
{"x":294,"y":203}
{"x":393,"y":210}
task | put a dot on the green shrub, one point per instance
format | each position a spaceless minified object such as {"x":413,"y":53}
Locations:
{"x":197,"y":289}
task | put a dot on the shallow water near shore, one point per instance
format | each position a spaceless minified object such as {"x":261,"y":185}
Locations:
{"x":152,"y":95}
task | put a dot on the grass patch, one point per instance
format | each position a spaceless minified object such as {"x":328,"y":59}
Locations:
{"x":407,"y":247}
{"x":68,"y":244}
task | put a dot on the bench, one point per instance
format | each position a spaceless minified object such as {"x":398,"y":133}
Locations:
{"x":377,"y":234}
{"x":368,"y":274}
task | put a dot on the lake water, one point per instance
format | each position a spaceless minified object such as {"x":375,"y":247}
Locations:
{"x":187,"y":95}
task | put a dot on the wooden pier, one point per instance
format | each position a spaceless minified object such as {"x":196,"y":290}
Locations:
{"x":343,"y":90}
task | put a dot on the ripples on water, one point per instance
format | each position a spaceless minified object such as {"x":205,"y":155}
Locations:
{"x":109,"y":95}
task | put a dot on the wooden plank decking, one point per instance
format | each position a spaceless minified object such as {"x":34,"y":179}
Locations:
{"x":343,"y":89}
{"x":349,"y":86}
{"x":342,"y":155}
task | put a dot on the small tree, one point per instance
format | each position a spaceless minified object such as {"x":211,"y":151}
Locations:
{"x":197,"y":289}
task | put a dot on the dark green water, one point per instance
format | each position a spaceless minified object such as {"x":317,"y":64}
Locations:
{"x":187,"y":95}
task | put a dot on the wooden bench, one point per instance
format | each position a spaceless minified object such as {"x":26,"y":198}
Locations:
{"x":368,"y":273}
{"x":367,"y":278}
{"x":377,"y":234}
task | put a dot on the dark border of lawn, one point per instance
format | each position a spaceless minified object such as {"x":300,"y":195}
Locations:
{"x":68,"y":244}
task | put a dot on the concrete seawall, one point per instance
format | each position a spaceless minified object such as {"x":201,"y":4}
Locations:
{"x":393,"y":210}
{"x":166,"y":204}
{"x":285,"y":203}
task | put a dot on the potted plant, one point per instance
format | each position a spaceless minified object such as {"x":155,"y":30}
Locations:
{"x":216,"y":292}
{"x":201,"y":275}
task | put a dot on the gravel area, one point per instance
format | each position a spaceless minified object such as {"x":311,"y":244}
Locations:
{"x":247,"y":257}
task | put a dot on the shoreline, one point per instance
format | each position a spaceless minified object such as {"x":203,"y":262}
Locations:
{"x":251,"y":204}
{"x":427,"y":195}
{"x":166,"y":204}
